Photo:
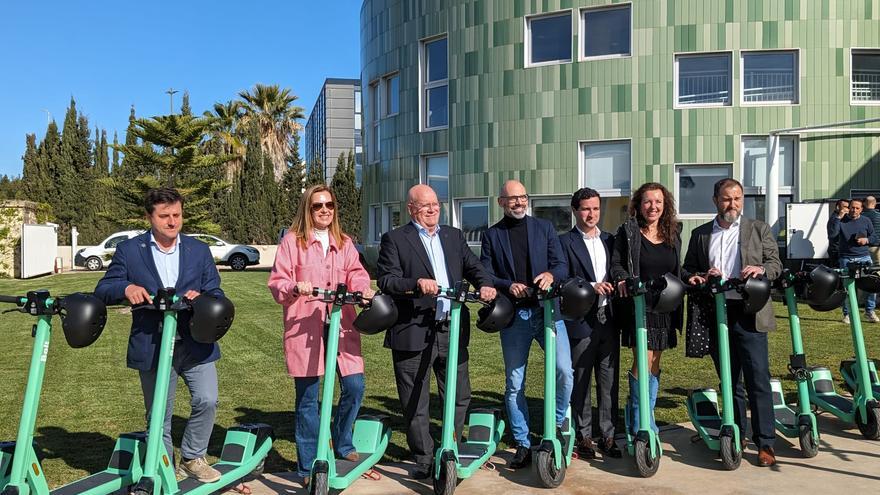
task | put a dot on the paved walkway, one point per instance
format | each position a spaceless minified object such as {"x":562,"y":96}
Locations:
{"x":846,"y":464}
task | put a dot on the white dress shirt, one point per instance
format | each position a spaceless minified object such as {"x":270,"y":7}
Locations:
{"x":724,"y":252}
{"x":598,"y":258}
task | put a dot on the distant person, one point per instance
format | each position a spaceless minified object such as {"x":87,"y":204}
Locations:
{"x":854,"y":233}
{"x":841,"y":209}
{"x":870,"y":212}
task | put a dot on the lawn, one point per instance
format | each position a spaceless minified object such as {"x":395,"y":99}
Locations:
{"x":90,"y":397}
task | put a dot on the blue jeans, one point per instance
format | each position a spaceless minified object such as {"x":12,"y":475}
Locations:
{"x":871,"y":300}
{"x":308,"y":417}
{"x":516,"y":341}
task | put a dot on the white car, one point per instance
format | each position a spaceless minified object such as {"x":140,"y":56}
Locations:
{"x":98,"y":257}
{"x":237,"y":256}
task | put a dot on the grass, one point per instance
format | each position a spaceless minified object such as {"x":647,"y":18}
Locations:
{"x":90,"y":397}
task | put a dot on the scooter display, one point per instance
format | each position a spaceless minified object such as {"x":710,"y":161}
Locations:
{"x":83,"y":318}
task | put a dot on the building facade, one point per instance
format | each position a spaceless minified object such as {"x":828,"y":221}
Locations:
{"x":335,"y":126}
{"x":561,"y":94}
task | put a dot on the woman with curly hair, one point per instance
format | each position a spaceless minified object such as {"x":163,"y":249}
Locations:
{"x":648,"y":246}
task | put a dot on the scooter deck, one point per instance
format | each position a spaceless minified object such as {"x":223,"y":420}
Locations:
{"x":485,"y":428}
{"x":371,"y":436}
{"x":847,"y":371}
{"x":823,"y":395}
{"x":702,"y":408}
{"x":785,"y":418}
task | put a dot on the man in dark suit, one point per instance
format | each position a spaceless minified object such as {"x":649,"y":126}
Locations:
{"x":414,"y":260}
{"x":595,"y":341}
{"x":522,"y":252}
{"x":159,"y":258}
{"x":731,"y":246}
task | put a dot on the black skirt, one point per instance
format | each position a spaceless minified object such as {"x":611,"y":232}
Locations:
{"x":661,"y":333}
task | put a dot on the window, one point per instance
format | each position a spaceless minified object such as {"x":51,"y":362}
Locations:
{"x":607,"y":31}
{"x":391,"y":216}
{"x":436,"y":175}
{"x":614,"y":212}
{"x":703,"y":79}
{"x":548,"y":39}
{"x":555,"y":209}
{"x":754,"y":163}
{"x":392,"y":95}
{"x":769,"y":77}
{"x":866,"y":76}
{"x":112,"y":242}
{"x":375,"y":224}
{"x":607,"y":168}
{"x":694,"y":186}
{"x":754,"y":207}
{"x":435,"y":84}
{"x":473,"y":218}
{"x":374,"y":122}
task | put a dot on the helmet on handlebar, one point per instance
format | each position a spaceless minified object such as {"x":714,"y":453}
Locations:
{"x":868,"y":281}
{"x":496,"y":315}
{"x":823,"y":289}
{"x":668,"y":293}
{"x":576,"y":298}
{"x":377,"y":316}
{"x":82,"y":317}
{"x":212,"y":316}
{"x":755,"y":293}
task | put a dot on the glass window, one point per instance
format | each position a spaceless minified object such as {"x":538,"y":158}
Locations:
{"x":755,"y":161}
{"x":392,"y":216}
{"x":695,"y":186}
{"x":392,"y":94}
{"x":549,"y":39}
{"x":357,"y":101}
{"x":435,"y":85}
{"x":557,"y":210}
{"x":607,"y":166}
{"x":435,"y":61}
{"x":614,"y":213}
{"x":473,"y":219}
{"x":111,"y":244}
{"x":704,"y":79}
{"x":375,"y":223}
{"x":770,"y":77}
{"x":866,"y":75}
{"x":754,"y":207}
{"x":607,"y":31}
{"x":437,"y":107}
{"x":375,"y":105}
{"x":436,"y":175}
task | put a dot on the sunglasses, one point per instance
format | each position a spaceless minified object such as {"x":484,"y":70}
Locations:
{"x":329,"y":205}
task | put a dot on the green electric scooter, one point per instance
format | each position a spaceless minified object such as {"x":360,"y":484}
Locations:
{"x":245,"y":447}
{"x":371,"y":433}
{"x":801,"y":423}
{"x":849,"y":368}
{"x":863,"y":409}
{"x":455,"y":461}
{"x":20,"y":469}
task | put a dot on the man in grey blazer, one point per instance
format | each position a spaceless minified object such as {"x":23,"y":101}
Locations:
{"x":735,"y":247}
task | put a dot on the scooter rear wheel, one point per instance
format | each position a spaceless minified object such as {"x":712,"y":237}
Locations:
{"x":319,"y":484}
{"x":731,"y":456}
{"x":871,"y":428}
{"x":809,"y":443}
{"x":645,"y":462}
{"x":545,"y":464}
{"x":445,"y":485}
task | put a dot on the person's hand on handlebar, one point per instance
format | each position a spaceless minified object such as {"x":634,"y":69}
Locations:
{"x":428,"y":286}
{"x":751,"y":271}
{"x":518,"y":290}
{"x":137,"y":295}
{"x":304,"y":288}
{"x":604,"y":288}
{"x":368,"y":293}
{"x":543,"y":280}
{"x":487,"y":293}
{"x":191,"y":294}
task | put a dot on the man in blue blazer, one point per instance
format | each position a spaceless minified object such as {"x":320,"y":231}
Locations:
{"x":521,"y":252}
{"x":158,"y":258}
{"x":595,"y":341}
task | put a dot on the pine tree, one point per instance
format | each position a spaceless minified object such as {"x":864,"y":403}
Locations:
{"x":130,"y":167}
{"x":348,"y":197}
{"x":185,"y":109}
{"x":115,"y":164}
{"x":315,"y":174}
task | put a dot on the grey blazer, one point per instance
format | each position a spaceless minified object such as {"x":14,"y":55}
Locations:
{"x":757,"y":247}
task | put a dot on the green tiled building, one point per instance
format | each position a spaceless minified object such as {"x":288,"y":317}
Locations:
{"x":561,"y":94}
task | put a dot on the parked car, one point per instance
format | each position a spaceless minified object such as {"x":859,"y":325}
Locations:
{"x":99,"y":257}
{"x":236,"y":256}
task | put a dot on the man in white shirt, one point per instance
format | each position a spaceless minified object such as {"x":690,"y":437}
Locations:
{"x":595,"y":341}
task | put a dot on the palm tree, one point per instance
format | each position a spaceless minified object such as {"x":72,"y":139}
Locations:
{"x":226,"y":136}
{"x":273,"y":109}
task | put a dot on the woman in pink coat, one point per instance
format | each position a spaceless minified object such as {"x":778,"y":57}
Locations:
{"x":316,"y":253}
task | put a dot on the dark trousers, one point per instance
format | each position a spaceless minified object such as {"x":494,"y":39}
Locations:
{"x":749,"y":360}
{"x":599,"y":353}
{"x":412,"y":371}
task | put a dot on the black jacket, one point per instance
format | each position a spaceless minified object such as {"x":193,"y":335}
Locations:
{"x":581,"y":265}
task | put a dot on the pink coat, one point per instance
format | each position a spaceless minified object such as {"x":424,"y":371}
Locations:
{"x":304,"y":316}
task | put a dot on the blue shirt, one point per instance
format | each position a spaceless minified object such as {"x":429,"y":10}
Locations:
{"x":167,"y":263}
{"x":846,"y":231}
{"x":438,"y":264}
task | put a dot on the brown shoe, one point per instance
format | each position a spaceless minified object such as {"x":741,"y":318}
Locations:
{"x":352,"y":456}
{"x":585,"y":449}
{"x":766,"y":457}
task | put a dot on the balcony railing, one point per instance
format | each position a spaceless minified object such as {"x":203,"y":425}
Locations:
{"x":704,"y":88}
{"x":866,"y":85}
{"x":769,"y":85}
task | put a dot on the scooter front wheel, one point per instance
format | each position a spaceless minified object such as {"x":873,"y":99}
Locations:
{"x":809,"y":443}
{"x":645,"y":462}
{"x":319,"y":484}
{"x":445,"y":485}
{"x":545,"y":464}
{"x":731,"y":456}
{"x":870,"y":429}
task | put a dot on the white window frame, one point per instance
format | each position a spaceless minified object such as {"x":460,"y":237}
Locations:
{"x":742,"y":79}
{"x":425,"y":86}
{"x":582,"y":167}
{"x":677,"y":196}
{"x":384,"y":87}
{"x":456,"y":212}
{"x":761,"y":190}
{"x":563,"y":198}
{"x":582,"y":31}
{"x":860,"y":51}
{"x":527,"y":36}
{"x":375,"y":94}
{"x":676,"y":56}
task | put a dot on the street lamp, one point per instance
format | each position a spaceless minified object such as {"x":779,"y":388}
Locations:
{"x":170,"y":94}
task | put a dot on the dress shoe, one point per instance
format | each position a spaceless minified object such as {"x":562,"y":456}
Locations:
{"x":609,"y":448}
{"x":766,"y":457}
{"x":522,"y":458}
{"x":585,"y":449}
{"x":352,"y":456}
{"x":421,"y":471}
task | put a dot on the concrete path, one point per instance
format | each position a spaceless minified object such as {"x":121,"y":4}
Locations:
{"x":847,"y":464}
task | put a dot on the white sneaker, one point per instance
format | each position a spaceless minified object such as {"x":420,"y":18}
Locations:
{"x":200,"y":470}
{"x":845,"y":319}
{"x":872,"y":317}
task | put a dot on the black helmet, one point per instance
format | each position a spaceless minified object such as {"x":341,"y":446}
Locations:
{"x":576,"y":298}
{"x":822,"y":283}
{"x":496,"y":315}
{"x":755,"y":293}
{"x":378,"y":316}
{"x":868,"y":282}
{"x":834,"y":301}
{"x":668,"y":294}
{"x":82,"y":317}
{"x":212,"y":316}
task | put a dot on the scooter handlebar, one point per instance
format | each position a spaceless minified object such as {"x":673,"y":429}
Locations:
{"x":20,"y":300}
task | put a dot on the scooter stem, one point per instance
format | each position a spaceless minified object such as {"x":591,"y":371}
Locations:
{"x":322,"y":452}
{"x":160,"y":396}
{"x":724,"y":359}
{"x":448,"y":440}
{"x":642,"y":364}
{"x":861,"y":396}
{"x":549,"y":372}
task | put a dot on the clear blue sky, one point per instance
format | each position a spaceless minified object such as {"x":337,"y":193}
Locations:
{"x":109,"y":55}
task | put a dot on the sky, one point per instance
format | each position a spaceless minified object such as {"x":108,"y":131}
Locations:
{"x":109,"y":55}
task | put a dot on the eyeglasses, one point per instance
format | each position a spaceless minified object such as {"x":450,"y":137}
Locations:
{"x":316,"y":207}
{"x":515,"y":199}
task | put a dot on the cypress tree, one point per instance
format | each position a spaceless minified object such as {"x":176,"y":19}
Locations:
{"x":104,"y":169}
{"x":315,"y":174}
{"x":185,"y":109}
{"x":48,"y":156}
{"x":115,"y":164}
{"x":290,"y":191}
{"x":32,"y":176}
{"x":347,"y":195}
